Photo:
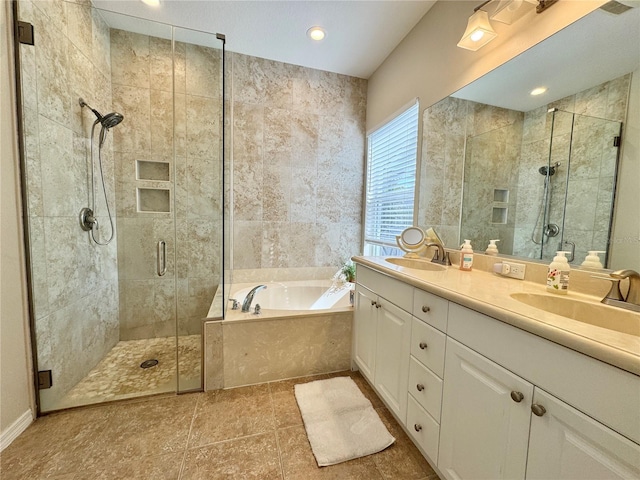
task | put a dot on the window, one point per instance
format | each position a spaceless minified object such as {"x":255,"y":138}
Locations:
{"x":391,"y":178}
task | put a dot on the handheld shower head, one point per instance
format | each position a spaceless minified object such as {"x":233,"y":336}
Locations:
{"x":109,"y":120}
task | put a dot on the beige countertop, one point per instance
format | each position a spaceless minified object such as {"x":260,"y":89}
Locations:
{"x":489,"y":293}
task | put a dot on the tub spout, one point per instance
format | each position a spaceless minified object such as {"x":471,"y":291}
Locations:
{"x":246,"y":305}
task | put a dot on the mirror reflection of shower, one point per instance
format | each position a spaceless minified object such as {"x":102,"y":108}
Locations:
{"x":88,"y":215}
{"x":548,"y":229}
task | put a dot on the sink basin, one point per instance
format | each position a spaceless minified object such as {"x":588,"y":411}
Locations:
{"x":415,"y":264}
{"x":612,"y":318}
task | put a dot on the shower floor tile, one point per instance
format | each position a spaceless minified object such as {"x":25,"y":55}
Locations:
{"x":248,"y":432}
{"x":119,"y":376}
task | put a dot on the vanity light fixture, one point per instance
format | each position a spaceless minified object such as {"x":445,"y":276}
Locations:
{"x":316,"y":33}
{"x":151,"y":3}
{"x":479,"y":31}
{"x":538,"y":91}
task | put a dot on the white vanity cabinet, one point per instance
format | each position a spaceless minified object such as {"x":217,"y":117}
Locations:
{"x":565,"y":443}
{"x":485,"y":418}
{"x":485,"y":399}
{"x":365,"y":329}
{"x":382,"y":336}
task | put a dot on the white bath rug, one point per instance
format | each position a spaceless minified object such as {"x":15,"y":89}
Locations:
{"x":341,"y":423}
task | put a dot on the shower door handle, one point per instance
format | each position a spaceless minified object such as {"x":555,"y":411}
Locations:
{"x":161,"y":258}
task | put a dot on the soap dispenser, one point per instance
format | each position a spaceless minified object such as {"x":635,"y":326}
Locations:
{"x":492,"y":249}
{"x":466,"y":256}
{"x":592,"y":260}
{"x":558,"y":274}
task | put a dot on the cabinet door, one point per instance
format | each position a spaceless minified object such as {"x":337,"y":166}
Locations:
{"x":364,"y":339}
{"x":484,"y":432}
{"x":566,"y":444}
{"x":392,"y":356}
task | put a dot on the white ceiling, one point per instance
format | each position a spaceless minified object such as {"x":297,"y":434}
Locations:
{"x":597,"y":48}
{"x":360,"y":33}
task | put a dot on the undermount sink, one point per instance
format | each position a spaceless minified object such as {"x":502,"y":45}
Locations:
{"x":612,"y":318}
{"x":415,"y":264}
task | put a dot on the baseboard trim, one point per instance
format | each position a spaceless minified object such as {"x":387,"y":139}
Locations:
{"x":15,"y":429}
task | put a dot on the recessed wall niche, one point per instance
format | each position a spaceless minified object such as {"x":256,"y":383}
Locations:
{"x":156,"y":200}
{"x":158,"y":171}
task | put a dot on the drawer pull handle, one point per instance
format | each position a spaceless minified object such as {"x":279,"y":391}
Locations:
{"x":423,"y":345}
{"x":517,"y":396}
{"x":420,"y":387}
{"x":538,"y":410}
{"x":426,"y":309}
{"x":417,"y":427}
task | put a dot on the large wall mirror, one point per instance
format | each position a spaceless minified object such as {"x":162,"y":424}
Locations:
{"x":538,"y":172}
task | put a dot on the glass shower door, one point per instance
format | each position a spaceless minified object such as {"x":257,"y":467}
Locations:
{"x":120,"y":318}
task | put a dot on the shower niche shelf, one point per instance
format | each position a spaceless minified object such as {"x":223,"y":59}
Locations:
{"x":499,"y":215}
{"x":154,"y":200}
{"x":500,"y":195}
{"x":149,"y":170}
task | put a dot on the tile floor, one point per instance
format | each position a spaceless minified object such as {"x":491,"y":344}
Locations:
{"x":249,"y":432}
{"x":118,"y":376}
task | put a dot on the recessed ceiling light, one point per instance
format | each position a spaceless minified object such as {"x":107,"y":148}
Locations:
{"x":151,"y":3}
{"x":316,"y":33}
{"x":538,"y":91}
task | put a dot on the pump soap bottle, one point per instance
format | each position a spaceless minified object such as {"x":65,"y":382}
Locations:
{"x":466,"y":256}
{"x":558,"y":274}
{"x":593,"y":260}
{"x":492,"y":248}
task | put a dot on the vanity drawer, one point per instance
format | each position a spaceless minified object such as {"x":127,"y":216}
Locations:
{"x":427,"y":345}
{"x":398,"y":293}
{"x":424,"y":430}
{"x":431,"y":309}
{"x":426,"y":388}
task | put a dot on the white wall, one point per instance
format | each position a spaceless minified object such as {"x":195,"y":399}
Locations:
{"x":626,"y":230}
{"x":428,"y":64}
{"x":16,"y":404}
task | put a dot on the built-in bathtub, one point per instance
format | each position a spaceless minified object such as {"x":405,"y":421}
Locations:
{"x":303,"y":328}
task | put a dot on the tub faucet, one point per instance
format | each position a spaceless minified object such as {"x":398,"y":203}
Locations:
{"x":246,"y":305}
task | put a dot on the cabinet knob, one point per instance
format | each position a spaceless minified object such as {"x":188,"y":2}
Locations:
{"x":423,"y":345}
{"x":517,"y":396}
{"x":373,"y":303}
{"x":538,"y":410}
{"x":420,"y":387}
{"x":426,"y":309}
{"x":378,"y":305}
{"x":417,"y":427}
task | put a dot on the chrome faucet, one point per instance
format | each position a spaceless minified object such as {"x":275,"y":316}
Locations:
{"x":441,"y":256}
{"x":614,"y":297}
{"x":246,"y":304}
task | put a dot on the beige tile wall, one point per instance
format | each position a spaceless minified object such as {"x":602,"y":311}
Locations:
{"x":298,"y":157}
{"x":75,"y":290}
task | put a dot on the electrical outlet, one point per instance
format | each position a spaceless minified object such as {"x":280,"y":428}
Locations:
{"x":513,"y":270}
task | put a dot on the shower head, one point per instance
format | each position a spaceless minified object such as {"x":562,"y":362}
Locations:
{"x":109,"y":120}
{"x":548,"y":170}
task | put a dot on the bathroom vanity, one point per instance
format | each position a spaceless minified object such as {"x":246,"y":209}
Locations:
{"x":488,"y":386}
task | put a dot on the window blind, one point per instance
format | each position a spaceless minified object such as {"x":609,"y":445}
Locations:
{"x":391,"y":175}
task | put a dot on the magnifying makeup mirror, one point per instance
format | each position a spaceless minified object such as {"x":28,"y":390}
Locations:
{"x":411,"y":241}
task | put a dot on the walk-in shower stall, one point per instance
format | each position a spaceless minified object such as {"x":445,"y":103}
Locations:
{"x":122,"y":149}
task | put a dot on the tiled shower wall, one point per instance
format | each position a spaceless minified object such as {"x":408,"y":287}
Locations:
{"x":489,"y":137}
{"x":75,"y":282}
{"x":504,"y":149}
{"x":143,"y":92}
{"x":298,"y":146}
